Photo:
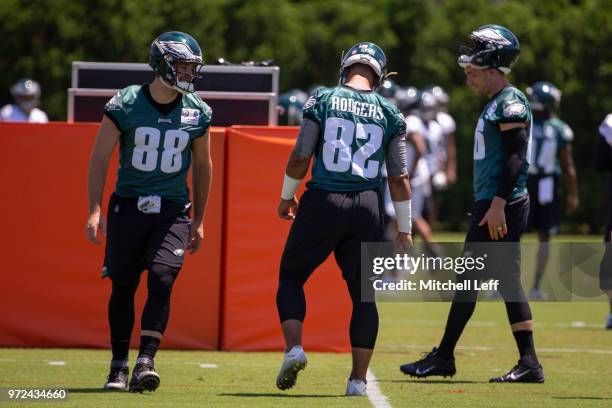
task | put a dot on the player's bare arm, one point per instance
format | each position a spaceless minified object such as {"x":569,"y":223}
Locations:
{"x":495,"y":218}
{"x":106,"y":140}
{"x":201,"y":179}
{"x":571,"y":179}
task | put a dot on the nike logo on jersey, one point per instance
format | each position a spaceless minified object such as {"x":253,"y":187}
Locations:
{"x":164,"y":120}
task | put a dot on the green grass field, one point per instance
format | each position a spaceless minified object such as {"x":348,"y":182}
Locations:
{"x":575,"y":350}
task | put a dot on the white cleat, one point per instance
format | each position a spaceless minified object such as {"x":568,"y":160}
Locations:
{"x":356,"y":388}
{"x":295,"y":360}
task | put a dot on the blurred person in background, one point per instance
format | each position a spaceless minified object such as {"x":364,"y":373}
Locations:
{"x":290,"y":105}
{"x":551,"y":155}
{"x":447,"y":172}
{"x":603,"y":161}
{"x":409,"y":102}
{"x":26,"y":94}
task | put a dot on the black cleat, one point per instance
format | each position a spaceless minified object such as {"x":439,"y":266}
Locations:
{"x":144,"y":377}
{"x":431,"y":364}
{"x":117,"y":379}
{"x":521,"y":373}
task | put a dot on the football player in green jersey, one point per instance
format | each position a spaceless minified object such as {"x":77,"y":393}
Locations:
{"x":501,"y":152}
{"x":352,"y":131}
{"x":160,"y":128}
{"x":551,"y":146}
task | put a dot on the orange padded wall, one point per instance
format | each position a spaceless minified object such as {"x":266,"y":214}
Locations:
{"x":254,"y":240}
{"x":50,"y":277}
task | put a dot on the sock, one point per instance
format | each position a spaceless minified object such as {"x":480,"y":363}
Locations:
{"x":148,"y":347}
{"x":458,"y":316}
{"x":524,"y":342}
{"x":123,"y":364}
{"x":120,"y":349}
{"x":610,"y":307}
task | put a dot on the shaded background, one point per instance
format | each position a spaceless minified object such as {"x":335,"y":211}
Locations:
{"x":566,"y":42}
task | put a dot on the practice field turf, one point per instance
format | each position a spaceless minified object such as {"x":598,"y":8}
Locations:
{"x":575,"y":350}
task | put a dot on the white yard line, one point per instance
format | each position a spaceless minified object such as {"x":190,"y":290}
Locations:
{"x":375,"y":395}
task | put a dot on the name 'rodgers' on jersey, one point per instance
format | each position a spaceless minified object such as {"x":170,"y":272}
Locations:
{"x":155,"y":141}
{"x":356,"y":127}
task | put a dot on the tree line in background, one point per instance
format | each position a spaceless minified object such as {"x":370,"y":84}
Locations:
{"x":564,"y":42}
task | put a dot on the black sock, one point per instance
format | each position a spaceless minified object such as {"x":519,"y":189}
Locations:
{"x":121,"y":349}
{"x":148,"y":346}
{"x":458,"y":316}
{"x":610,"y":307}
{"x":524,"y":342}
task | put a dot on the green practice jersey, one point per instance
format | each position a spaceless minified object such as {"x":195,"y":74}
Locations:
{"x":507,"y":106}
{"x":356,"y":127}
{"x":155,"y":141}
{"x":549,"y":136}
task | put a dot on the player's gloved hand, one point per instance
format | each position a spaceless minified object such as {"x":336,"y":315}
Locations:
{"x":95,"y":222}
{"x":572,"y":203}
{"x":495,"y":219}
{"x":287,"y":208}
{"x":403,"y":242}
{"x":196,"y":235}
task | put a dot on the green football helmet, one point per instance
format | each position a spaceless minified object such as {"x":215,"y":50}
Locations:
{"x":440,"y":94}
{"x":408,"y":99}
{"x":388,"y":89}
{"x":366,"y":53}
{"x":290,"y":106}
{"x":492,"y":46}
{"x":173,"y":47}
{"x":544,"y":96}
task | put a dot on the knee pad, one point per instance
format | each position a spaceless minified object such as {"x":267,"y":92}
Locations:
{"x":161,"y":279}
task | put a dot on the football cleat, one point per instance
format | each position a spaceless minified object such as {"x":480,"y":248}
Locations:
{"x":295,"y":360}
{"x":356,"y":388}
{"x":144,"y":377}
{"x":431,"y":364}
{"x":521,"y":373}
{"x":117,"y":379}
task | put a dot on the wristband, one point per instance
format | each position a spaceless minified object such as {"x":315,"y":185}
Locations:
{"x":403,"y":214}
{"x":290,"y":186}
